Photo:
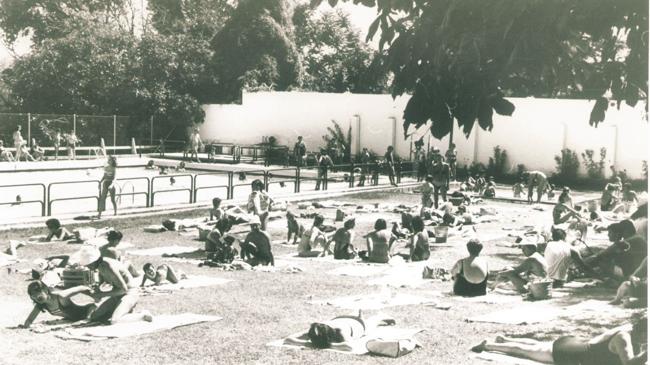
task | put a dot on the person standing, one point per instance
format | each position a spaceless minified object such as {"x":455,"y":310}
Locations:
{"x":535,"y":179}
{"x":420,"y":161}
{"x":195,"y":144}
{"x":18,"y":142}
{"x":451,"y":155}
{"x":324,"y":164}
{"x":56,"y":141}
{"x":440,"y":174}
{"x":107,"y":186}
{"x":299,"y":152}
{"x":364,"y":159}
{"x":389,"y":160}
{"x":259,"y":203}
{"x":71,"y":141}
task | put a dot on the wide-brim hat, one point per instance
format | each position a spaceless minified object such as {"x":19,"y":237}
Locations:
{"x":86,"y":255}
{"x":255,"y":220}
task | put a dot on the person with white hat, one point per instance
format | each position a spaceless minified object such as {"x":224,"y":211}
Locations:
{"x":256,"y":248}
{"x":533,"y":265}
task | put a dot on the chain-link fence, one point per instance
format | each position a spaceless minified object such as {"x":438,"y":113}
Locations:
{"x":88,"y":129}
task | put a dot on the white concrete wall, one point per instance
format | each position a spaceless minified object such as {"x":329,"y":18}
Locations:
{"x":536,"y":132}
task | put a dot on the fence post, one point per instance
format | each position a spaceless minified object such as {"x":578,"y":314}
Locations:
{"x":151,"y":131}
{"x":266,"y":180}
{"x":230,"y":194}
{"x":29,"y":128}
{"x":74,"y":124}
{"x":114,"y":132}
{"x":296,"y":184}
{"x":325,"y":177}
{"x":399,"y":172}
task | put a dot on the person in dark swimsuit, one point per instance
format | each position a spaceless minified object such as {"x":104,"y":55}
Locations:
{"x":107,"y":187}
{"x":57,"y":303}
{"x":616,"y":346}
{"x":470,"y":273}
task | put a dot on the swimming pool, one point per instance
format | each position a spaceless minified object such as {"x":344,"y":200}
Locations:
{"x":50,"y":189}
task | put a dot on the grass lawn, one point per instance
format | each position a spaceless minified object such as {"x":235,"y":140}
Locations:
{"x":258,"y":307}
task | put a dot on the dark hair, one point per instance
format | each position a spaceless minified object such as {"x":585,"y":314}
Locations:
{"x":380,"y":224}
{"x":147,"y":266}
{"x":322,"y":336}
{"x":641,"y":212}
{"x":558,"y":234}
{"x":150,"y":163}
{"x":318,"y":219}
{"x":53,"y":223}
{"x":112,"y":161}
{"x":216,"y":201}
{"x":349,"y":224}
{"x":169,"y":225}
{"x":256,"y":183}
{"x":36,"y":286}
{"x":114,"y":235}
{"x":229,"y":240}
{"x":624,"y":229}
{"x":474,"y":247}
{"x":223,"y":225}
{"x":418,"y":224}
{"x":428,"y":178}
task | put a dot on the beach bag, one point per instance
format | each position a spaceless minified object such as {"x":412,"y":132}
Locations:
{"x":391,"y":348}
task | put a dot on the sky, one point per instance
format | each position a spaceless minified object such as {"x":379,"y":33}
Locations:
{"x":361,"y":16}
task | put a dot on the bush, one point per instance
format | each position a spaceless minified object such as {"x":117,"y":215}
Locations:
{"x":644,"y":168}
{"x":567,"y":165}
{"x":497,"y":163}
{"x":594,"y":168}
{"x":476,"y":168}
{"x":521,"y":168}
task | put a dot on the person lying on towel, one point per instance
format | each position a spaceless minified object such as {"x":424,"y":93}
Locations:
{"x":58,"y":303}
{"x":56,"y":232}
{"x":624,"y":345}
{"x":470,"y":273}
{"x":379,"y":243}
{"x":533,"y":266}
{"x":161,"y":273}
{"x":256,"y":248}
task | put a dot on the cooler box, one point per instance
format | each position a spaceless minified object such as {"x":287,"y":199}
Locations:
{"x":79,"y":276}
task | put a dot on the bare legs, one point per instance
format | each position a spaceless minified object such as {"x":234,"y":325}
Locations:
{"x":519,"y":347}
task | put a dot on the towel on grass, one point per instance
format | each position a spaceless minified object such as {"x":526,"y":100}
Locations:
{"x":490,"y":298}
{"x":525,"y":313}
{"x":192,"y":281}
{"x":358,"y":270}
{"x":6,"y":260}
{"x":402,"y":337}
{"x":158,"y":251}
{"x":374,"y":301}
{"x":497,"y":358}
{"x":120,"y":330}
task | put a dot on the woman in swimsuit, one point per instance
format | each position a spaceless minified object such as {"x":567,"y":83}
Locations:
{"x":161,"y":273}
{"x":470,"y":273}
{"x":57,"y":303}
{"x":107,"y":186}
{"x":616,"y":346}
{"x":342,"y":329}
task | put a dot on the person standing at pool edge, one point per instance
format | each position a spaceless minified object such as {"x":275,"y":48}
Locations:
{"x":299,"y":152}
{"x":195,"y":144}
{"x":107,"y":186}
{"x":18,"y":141}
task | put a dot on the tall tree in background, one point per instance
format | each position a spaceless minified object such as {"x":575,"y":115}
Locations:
{"x":459,"y":58}
{"x":255,"y":49}
{"x":334,"y":57}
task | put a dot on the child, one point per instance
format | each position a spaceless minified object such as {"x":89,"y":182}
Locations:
{"x":216,"y":212}
{"x":419,"y":244}
{"x":517,"y":189}
{"x":294,"y":228}
{"x":312,"y":238}
{"x":490,"y":188}
{"x":343,"y":238}
{"x":150,"y":165}
{"x":161,"y":273}
{"x":56,"y":232}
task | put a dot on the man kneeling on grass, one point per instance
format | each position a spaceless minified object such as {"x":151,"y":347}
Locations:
{"x":256,"y":248}
{"x":534,"y":265}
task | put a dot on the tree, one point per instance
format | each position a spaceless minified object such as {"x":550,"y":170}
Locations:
{"x":256,"y":48}
{"x":202,"y":19}
{"x":460,"y":58}
{"x":334,"y":57}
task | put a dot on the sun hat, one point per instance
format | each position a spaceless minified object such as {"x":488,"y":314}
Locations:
{"x":86,"y":255}
{"x":255,"y":220}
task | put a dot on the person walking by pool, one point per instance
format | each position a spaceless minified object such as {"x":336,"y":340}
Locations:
{"x":364,"y":159}
{"x":420,"y":161}
{"x":259,"y":203}
{"x":18,"y":141}
{"x":536,"y":179}
{"x":451,"y":155}
{"x":440,"y":174}
{"x":56,"y":142}
{"x":389,"y":160}
{"x":107,"y":186}
{"x":299,"y":152}
{"x":324,"y":164}
{"x":71,"y":141}
{"x":195,"y":144}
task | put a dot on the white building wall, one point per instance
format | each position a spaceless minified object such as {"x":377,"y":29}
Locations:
{"x":537,"y":131}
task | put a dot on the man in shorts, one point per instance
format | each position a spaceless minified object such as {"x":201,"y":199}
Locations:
{"x":440,"y":174}
{"x":536,"y":179}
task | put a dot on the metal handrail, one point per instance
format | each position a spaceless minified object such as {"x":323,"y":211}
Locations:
{"x":49,"y":190}
{"x":138,"y":178}
{"x":153,"y":195}
{"x":31,"y":201}
{"x":153,"y":179}
{"x":197,"y":188}
{"x":28,"y":202}
{"x":49,"y":203}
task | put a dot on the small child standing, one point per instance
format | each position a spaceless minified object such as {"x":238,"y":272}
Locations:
{"x":517,"y":189}
{"x":216,"y":212}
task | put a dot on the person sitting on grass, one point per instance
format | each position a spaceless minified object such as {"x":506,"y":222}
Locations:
{"x":216,"y":212}
{"x":633,"y":293}
{"x":563,"y":212}
{"x":470,"y":273}
{"x":610,"y":196}
{"x":469,"y":184}
{"x":559,"y":256}
{"x":343,"y":238}
{"x":479,"y":187}
{"x":58,"y":303}
{"x":256,"y":248}
{"x":161,"y":273}
{"x":110,"y":250}
{"x":616,"y":346}
{"x":490,"y":188}
{"x":533,"y":266}
{"x":419,"y":244}
{"x":56,"y":232}
{"x":629,"y":200}
{"x":313,"y":238}
{"x":624,"y":255}
{"x":124,"y":295}
{"x":379,"y":243}
{"x":343,"y":329}
{"x":218,"y":246}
